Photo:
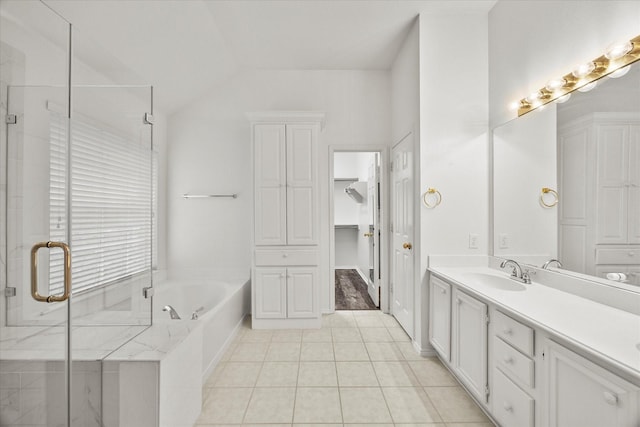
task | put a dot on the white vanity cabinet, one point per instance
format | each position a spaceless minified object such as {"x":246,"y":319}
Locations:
{"x":285,"y":288}
{"x":519,"y":369}
{"x":469,"y":342}
{"x":582,"y":394}
{"x":513,"y":373}
{"x":286,"y":293}
{"x":440,"y":317}
{"x":458,"y":332}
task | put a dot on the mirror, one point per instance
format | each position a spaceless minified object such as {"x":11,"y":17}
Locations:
{"x":588,"y":151}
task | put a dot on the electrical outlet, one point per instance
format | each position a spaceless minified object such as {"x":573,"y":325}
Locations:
{"x":503,"y":241}
{"x":473,"y":241}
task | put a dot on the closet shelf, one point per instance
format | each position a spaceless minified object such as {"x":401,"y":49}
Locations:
{"x":346,"y":226}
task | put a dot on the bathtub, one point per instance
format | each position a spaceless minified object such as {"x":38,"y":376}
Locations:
{"x":217,"y":306}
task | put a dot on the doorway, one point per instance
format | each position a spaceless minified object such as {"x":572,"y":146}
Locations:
{"x":357,"y":237}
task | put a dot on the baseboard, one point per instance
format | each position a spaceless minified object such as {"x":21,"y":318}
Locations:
{"x":424,"y":352}
{"x":346,"y":267}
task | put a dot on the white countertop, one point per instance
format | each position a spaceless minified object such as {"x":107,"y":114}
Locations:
{"x":608,"y":334}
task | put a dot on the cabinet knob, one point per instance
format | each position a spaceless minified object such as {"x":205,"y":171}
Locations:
{"x":458,"y":301}
{"x":443,"y":291}
{"x":284,"y":255}
{"x":507,"y":331}
{"x":611,"y":398}
{"x":282,"y":275}
{"x":508,"y":360}
{"x":631,"y":253}
{"x":507,"y":406}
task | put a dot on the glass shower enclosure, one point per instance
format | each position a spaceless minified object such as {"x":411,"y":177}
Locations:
{"x":77,"y":211}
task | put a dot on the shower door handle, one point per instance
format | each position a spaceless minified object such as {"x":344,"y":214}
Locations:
{"x":34,"y":272}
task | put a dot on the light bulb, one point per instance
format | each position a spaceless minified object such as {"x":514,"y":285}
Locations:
{"x":583,"y":70}
{"x":555,"y":84}
{"x":533,"y":97}
{"x":620,"y":72}
{"x":588,"y":87}
{"x":563,"y":98}
{"x":618,"y":50}
{"x":514,"y":105}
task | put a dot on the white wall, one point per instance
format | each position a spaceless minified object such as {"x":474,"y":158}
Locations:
{"x":531,"y":42}
{"x":453,"y":143}
{"x":209,"y":151}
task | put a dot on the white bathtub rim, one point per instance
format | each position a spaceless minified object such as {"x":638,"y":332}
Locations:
{"x":230,"y":290}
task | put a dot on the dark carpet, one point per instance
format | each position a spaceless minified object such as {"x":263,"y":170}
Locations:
{"x":351,"y":292}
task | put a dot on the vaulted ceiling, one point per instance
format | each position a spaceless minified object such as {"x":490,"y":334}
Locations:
{"x":186,"y":47}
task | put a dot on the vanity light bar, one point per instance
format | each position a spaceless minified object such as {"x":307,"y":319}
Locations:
{"x":617,"y":57}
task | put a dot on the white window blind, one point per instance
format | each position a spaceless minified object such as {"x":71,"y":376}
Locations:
{"x":111,"y":203}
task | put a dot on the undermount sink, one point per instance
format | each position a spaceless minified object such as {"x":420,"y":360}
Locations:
{"x":495,"y":281}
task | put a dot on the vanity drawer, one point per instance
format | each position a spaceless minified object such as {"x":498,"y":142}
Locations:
{"x":515,"y":333}
{"x":515,"y":364}
{"x":512,"y":407}
{"x":286,"y":257}
{"x":618,"y":256}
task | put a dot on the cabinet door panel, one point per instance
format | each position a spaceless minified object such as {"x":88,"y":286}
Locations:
{"x":613,"y":180}
{"x":612,"y":215}
{"x":634,"y":181}
{"x":470,"y":342}
{"x":271,"y":293}
{"x":270,"y":221}
{"x":440,"y":324}
{"x":301,"y":214}
{"x":301,"y":293}
{"x":613,"y":164}
{"x":582,"y":394}
{"x":270,"y":184}
{"x":301,"y":184}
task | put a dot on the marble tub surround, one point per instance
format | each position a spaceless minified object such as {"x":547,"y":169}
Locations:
{"x":358,"y":369}
{"x":604,"y":333}
{"x":90,"y":343}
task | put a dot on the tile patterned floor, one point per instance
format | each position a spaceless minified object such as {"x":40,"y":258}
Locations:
{"x":359,"y":369}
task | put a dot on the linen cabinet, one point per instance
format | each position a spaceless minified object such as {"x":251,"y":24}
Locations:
{"x":285,"y":288}
{"x":599,"y":163}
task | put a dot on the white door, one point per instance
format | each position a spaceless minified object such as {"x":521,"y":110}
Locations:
{"x":402,"y":230}
{"x":373,"y":206}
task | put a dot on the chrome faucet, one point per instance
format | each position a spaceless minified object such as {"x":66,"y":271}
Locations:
{"x":516,"y":273}
{"x":172,"y":312}
{"x":546,"y":264}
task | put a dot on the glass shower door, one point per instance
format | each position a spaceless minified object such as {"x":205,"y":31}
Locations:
{"x":35,"y":329}
{"x":77,"y":193}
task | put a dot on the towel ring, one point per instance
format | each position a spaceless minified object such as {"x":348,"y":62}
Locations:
{"x":426,"y":195}
{"x":554,"y":201}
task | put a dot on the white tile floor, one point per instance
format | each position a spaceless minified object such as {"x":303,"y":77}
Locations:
{"x":359,"y":369}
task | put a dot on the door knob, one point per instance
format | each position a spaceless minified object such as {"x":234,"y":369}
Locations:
{"x":368,"y":234}
{"x":407,"y":245}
